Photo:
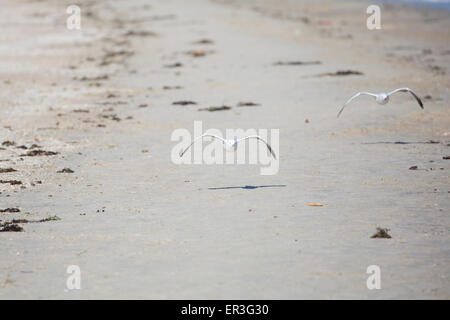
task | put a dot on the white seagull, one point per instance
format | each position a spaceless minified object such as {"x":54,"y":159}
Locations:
{"x":230,"y":143}
{"x":382,"y":97}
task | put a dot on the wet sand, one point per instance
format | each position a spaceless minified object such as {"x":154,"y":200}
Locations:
{"x":140,"y":226}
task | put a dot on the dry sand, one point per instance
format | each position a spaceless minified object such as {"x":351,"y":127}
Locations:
{"x":139,"y":226}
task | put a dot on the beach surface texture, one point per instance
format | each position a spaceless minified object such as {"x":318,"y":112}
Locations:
{"x":93,"y":205}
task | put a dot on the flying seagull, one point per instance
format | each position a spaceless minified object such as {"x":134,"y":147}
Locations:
{"x":382,"y":97}
{"x":229,"y":143}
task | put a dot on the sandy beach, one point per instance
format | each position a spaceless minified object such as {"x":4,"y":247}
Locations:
{"x":87,"y":178}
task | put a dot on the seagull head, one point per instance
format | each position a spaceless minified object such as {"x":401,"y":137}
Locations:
{"x":230,"y":144}
{"x":382,"y":98}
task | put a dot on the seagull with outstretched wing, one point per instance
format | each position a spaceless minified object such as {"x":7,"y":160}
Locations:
{"x":381,"y":98}
{"x":230,"y":143}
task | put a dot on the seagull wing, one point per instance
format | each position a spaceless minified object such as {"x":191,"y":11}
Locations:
{"x":260,"y":139}
{"x":201,"y":137}
{"x":410,"y":91}
{"x":354,"y":97}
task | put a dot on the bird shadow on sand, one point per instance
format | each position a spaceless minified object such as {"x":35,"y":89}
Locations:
{"x":403,"y":142}
{"x":250,"y":187}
